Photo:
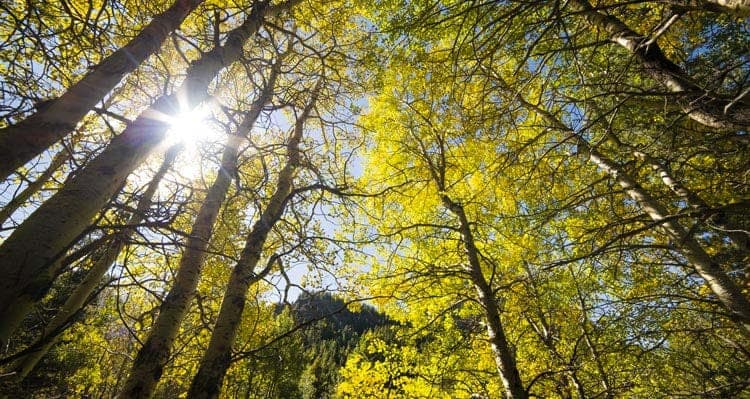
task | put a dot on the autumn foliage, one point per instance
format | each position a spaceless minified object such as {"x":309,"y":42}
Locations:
{"x":375,"y":199}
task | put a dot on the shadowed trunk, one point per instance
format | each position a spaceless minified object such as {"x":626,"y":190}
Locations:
{"x":704,"y":107}
{"x":217,"y":358}
{"x":23,"y":141}
{"x":34,"y":247}
{"x":505,"y":358}
{"x":149,"y":363}
{"x":81,"y":295}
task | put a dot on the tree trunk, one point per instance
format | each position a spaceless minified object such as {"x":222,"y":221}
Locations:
{"x":77,"y":300}
{"x":217,"y":358}
{"x":152,"y":357}
{"x":722,"y":286}
{"x":35,"y":245}
{"x":735,"y":233}
{"x":23,"y":141}
{"x":727,"y":292}
{"x":702,"y":106}
{"x":150,"y":361}
{"x":504,"y":357}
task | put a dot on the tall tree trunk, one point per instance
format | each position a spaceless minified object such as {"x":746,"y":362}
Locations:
{"x":35,"y":245}
{"x":77,"y":300}
{"x":722,"y":286}
{"x":23,"y":141}
{"x":702,"y":106}
{"x":149,"y":363}
{"x":727,"y":292}
{"x":505,"y":359}
{"x":217,"y":358}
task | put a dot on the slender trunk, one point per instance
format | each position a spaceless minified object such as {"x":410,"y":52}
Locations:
{"x":23,"y":141}
{"x":34,"y":187}
{"x":740,"y":239}
{"x":77,"y":300}
{"x":504,"y":357}
{"x":35,"y":245}
{"x":217,"y":358}
{"x":151,"y":358}
{"x":722,"y":286}
{"x":727,"y":292}
{"x":702,"y":106}
{"x":150,"y":361}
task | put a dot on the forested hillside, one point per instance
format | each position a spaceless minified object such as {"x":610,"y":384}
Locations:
{"x":375,"y":199}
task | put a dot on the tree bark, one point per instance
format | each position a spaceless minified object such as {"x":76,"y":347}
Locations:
{"x":740,"y":239}
{"x":152,"y":357}
{"x":217,"y":358}
{"x":726,"y":291}
{"x":722,"y":286}
{"x":23,"y":141}
{"x":504,"y":357}
{"x":78,"y":299}
{"x":35,"y":245}
{"x":700,"y":105}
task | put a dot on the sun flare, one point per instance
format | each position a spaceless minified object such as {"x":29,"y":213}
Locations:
{"x":191,"y":128}
{"x":194,"y":130}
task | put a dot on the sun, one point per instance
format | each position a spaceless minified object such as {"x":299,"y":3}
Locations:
{"x":194,"y":130}
{"x":191,"y":128}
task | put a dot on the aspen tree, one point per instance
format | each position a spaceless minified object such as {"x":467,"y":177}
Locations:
{"x":102,"y":262}
{"x":27,"y":257}
{"x":728,"y":293}
{"x":702,"y":106}
{"x":217,"y":358}
{"x":26,"y":139}
{"x":151,"y":358}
